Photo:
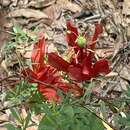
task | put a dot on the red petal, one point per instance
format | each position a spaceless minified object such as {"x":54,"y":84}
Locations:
{"x":63,"y":86}
{"x":72,"y":35}
{"x":42,"y":73}
{"x":101,"y":66}
{"x":29,"y":73}
{"x":57,"y":62}
{"x":49,"y":93}
{"x":87,"y":64}
{"x":38,"y":53}
{"x":76,"y":90}
{"x":76,"y":74}
{"x":98,"y":31}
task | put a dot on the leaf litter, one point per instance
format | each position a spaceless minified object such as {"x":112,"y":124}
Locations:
{"x":49,"y":16}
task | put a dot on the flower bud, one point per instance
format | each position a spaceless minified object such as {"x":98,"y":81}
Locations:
{"x":81,"y":41}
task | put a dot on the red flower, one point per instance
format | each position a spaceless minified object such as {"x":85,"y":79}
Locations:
{"x":46,"y":76}
{"x":81,"y":66}
{"x":72,"y":34}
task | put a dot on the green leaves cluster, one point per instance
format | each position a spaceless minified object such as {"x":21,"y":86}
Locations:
{"x":68,"y":115}
{"x":70,"y":118}
{"x":19,"y":37}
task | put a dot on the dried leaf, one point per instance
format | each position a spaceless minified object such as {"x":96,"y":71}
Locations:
{"x":32,"y":128}
{"x":40,"y":3}
{"x":28,"y":13}
{"x":125,"y":73}
{"x":106,"y":126}
{"x":104,"y":52}
{"x":126,"y":7}
{"x":112,"y":74}
{"x":67,"y":5}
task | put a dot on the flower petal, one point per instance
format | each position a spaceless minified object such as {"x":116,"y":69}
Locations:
{"x":57,"y":62}
{"x":98,"y":31}
{"x":63,"y":86}
{"x":38,"y":53}
{"x":76,"y":90}
{"x":29,"y":73}
{"x":101,"y":66}
{"x":87,"y":64}
{"x":42,"y":73}
{"x":71,"y":34}
{"x":76,"y":74}
{"x":49,"y":93}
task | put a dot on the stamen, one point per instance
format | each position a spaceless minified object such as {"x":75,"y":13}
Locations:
{"x":69,"y":32}
{"x":76,"y":56}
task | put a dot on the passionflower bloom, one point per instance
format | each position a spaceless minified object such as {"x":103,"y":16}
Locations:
{"x":47,"y":77}
{"x":81,"y":66}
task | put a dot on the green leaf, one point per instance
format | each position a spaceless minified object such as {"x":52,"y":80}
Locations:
{"x":88,"y":87}
{"x":103,"y":110}
{"x":47,"y":124}
{"x":89,"y":120}
{"x":18,"y":30}
{"x":95,"y":123}
{"x":9,"y":127}
{"x":68,"y":110}
{"x":16,"y":115}
{"x":27,"y":120}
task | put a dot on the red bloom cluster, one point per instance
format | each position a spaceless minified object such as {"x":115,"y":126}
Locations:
{"x":81,"y":66}
{"x":46,"y":76}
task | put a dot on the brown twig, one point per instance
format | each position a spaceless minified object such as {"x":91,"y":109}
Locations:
{"x":6,"y":78}
{"x":5,"y":31}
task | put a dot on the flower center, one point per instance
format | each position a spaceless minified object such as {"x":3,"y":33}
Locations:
{"x":81,"y":41}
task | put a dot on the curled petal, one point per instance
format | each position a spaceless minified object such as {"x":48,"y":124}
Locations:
{"x":63,"y":86}
{"x":38,"y":50}
{"x":42,"y":73}
{"x":49,"y":79}
{"x":98,"y":31}
{"x":76,"y":90}
{"x":101,"y":66}
{"x":38,"y":53}
{"x":71,"y":34}
{"x":57,"y":62}
{"x":49,"y":93}
{"x":29,"y":73}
